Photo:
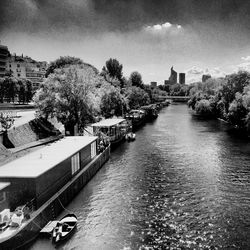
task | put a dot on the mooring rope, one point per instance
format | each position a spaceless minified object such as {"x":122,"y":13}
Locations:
{"x":64,"y":207}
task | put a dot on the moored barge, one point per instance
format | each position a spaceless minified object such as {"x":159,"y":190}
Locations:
{"x":44,"y":182}
{"x":137,"y":118}
{"x":114,"y":129}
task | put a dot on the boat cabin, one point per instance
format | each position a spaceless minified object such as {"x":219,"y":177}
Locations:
{"x":114,"y":129}
{"x":37,"y":176}
{"x":136,"y":114}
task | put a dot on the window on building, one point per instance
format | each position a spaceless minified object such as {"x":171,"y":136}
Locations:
{"x":75,"y":163}
{"x":18,"y":75}
{"x":2,"y":197}
{"x":93,"y":149}
{"x":10,"y":65}
{"x":18,"y":65}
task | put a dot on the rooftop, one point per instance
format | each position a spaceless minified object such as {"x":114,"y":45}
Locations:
{"x":36,"y":163}
{"x":108,"y":122}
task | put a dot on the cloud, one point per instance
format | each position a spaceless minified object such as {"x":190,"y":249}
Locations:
{"x":243,"y":66}
{"x":195,"y":73}
{"x":163,"y":27}
{"x":247,"y":58}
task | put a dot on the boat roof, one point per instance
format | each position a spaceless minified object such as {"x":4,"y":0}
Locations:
{"x":137,"y":110}
{"x":4,"y":185}
{"x":40,"y":161}
{"x":108,"y":122}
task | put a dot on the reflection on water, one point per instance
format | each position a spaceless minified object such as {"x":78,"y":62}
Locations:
{"x":183,"y":183}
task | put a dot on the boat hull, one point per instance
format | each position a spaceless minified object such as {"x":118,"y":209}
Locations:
{"x":52,"y":208}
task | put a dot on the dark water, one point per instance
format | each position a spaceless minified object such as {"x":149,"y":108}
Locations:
{"x":183,"y":184}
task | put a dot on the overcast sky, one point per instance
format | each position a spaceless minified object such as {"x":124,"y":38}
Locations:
{"x":149,"y":36}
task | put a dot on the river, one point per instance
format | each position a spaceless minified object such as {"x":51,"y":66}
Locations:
{"x":183,"y":183}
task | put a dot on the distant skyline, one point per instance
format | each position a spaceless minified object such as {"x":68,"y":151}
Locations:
{"x":196,"y":37}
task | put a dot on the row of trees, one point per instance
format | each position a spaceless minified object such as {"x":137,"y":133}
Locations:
{"x":12,"y":89}
{"x":176,"y":89}
{"x":227,"y":98}
{"x":76,"y":93}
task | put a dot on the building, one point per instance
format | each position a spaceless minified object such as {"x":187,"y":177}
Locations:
{"x":27,"y":68}
{"x":173,"y":76}
{"x":182,"y":78}
{"x":4,"y":53}
{"x":153,"y":84}
{"x":205,"y":77}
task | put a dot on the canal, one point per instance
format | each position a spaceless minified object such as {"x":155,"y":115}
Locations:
{"x":184,"y":183}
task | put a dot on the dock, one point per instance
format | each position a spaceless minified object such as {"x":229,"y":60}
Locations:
{"x":49,"y":227}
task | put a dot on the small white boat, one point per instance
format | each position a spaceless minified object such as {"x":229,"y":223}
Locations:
{"x":64,"y":228}
{"x":130,"y":136}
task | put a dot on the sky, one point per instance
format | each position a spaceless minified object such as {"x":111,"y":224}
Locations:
{"x":149,"y":36}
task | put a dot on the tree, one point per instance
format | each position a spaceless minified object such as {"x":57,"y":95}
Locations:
{"x":66,"y":61}
{"x":234,"y":83}
{"x":136,"y":79}
{"x":112,"y":103}
{"x":68,"y":94}
{"x":2,"y":89}
{"x":136,"y":97}
{"x":203,"y":107}
{"x":113,"y":69}
{"x":24,"y":90}
{"x":21,"y":91}
{"x":6,"y":121}
{"x":10,"y":86}
{"x":237,"y":112}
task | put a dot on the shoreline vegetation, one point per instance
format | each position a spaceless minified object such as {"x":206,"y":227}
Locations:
{"x":77,"y":94}
{"x":74,"y":94}
{"x":227,"y":99}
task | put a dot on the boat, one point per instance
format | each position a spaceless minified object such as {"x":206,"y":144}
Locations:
{"x":64,"y":228}
{"x":130,"y":136}
{"x":114,"y":129}
{"x":137,"y":118}
{"x":29,"y":202}
{"x":151,"y":111}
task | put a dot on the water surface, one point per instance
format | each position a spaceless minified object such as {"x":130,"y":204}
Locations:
{"x":184,"y":183}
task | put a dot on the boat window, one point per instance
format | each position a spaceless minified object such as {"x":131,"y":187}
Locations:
{"x":93,"y":149}
{"x":2,"y":197}
{"x":75,"y":163}
{"x":112,"y":131}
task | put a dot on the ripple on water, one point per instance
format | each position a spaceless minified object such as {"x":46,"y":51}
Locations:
{"x":183,"y":184}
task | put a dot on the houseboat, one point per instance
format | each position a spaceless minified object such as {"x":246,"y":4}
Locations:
{"x":137,"y":117}
{"x":151,"y":112}
{"x":114,"y":129}
{"x":34,"y":189}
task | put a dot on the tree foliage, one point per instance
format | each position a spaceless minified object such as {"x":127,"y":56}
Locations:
{"x":136,"y":97}
{"x":12,"y":89}
{"x":69,"y":95}
{"x":227,"y":98}
{"x":64,"y":62}
{"x":6,"y":121}
{"x":112,"y":103}
{"x":136,"y":79}
{"x":114,"y":68}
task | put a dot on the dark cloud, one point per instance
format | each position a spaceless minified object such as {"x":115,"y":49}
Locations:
{"x":34,"y":16}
